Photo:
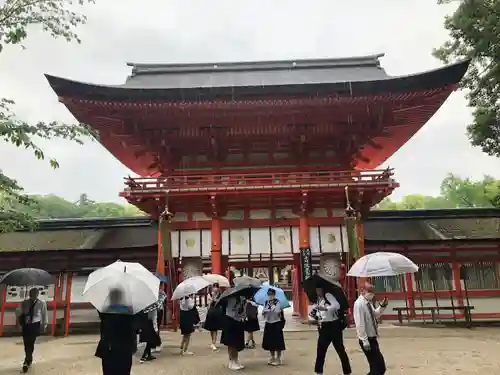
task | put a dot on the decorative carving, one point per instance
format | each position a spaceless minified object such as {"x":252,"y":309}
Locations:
{"x":330,"y":264}
{"x":191,"y":267}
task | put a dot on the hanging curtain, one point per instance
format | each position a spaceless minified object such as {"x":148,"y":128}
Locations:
{"x":352,"y":236}
{"x":166,"y":239}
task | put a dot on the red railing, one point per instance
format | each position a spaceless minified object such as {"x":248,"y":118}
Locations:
{"x":256,"y":181}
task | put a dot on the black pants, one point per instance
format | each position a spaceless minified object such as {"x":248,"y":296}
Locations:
{"x":147,"y":351}
{"x":374,"y":356}
{"x":331,"y":333}
{"x":114,"y":364}
{"x":30,"y":333}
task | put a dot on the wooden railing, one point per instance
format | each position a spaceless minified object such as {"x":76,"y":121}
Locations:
{"x":256,"y":181}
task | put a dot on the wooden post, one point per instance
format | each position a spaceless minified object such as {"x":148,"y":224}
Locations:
{"x":304,"y":242}
{"x":2,"y":307}
{"x":67,"y":312}
{"x":295,"y":288}
{"x":361,"y":244}
{"x":160,"y":259}
{"x":216,"y":250}
{"x":54,"y":304}
{"x":409,"y":294}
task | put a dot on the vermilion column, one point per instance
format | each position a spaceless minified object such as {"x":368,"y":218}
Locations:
{"x":304,"y":241}
{"x":361,"y":245}
{"x":216,"y":251}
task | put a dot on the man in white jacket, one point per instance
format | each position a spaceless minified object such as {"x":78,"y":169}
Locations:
{"x":365,"y":319}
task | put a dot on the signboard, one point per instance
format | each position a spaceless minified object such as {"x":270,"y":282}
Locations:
{"x":305,"y":263}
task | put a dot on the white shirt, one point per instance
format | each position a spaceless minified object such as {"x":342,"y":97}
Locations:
{"x":272,"y":312}
{"x":365,"y":316}
{"x":332,"y":307}
{"x":39,"y":311}
{"x":236,"y":308}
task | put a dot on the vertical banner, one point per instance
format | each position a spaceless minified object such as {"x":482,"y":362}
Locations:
{"x":166,"y":239}
{"x":305,"y":263}
{"x":352,"y":236}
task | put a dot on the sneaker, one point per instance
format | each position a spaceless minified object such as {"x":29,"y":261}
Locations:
{"x":277,"y":362}
{"x":143,"y":360}
{"x":187,"y":353}
{"x":25,"y":368}
{"x":151,"y":358}
{"x":239,"y":366}
{"x":232,"y":366}
{"x":214,"y":348}
{"x":271,"y":361}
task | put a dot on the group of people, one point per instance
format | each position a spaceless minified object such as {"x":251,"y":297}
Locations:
{"x":233,"y":316}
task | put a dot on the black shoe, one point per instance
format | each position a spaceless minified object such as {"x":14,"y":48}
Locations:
{"x":151,"y":358}
{"x":25,"y":368}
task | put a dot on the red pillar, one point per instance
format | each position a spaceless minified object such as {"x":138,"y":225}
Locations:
{"x":409,"y":294}
{"x":456,"y":278}
{"x":216,"y":250}
{"x":361,"y":245}
{"x":3,"y":289}
{"x":67,"y":312}
{"x":295,"y":288}
{"x":303,"y":242}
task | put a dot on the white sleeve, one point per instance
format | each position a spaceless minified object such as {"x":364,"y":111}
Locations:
{"x":359,"y":321}
{"x":45,"y":318}
{"x":334,"y":305}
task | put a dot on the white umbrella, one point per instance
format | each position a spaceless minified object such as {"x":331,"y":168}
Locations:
{"x":247,"y":280}
{"x":133,"y":286}
{"x":382,"y":264}
{"x":190,"y":286}
{"x":217,"y":279}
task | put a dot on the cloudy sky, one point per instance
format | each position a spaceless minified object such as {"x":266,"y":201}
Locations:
{"x":223,"y":30}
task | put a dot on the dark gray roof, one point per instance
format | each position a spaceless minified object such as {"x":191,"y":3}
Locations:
{"x":260,"y":73}
{"x":350,"y":77}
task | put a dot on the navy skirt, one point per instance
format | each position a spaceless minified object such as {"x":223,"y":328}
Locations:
{"x":214,"y":320}
{"x":187,"y":321}
{"x":251,"y":325}
{"x":273,"y":340}
{"x":233,"y":334}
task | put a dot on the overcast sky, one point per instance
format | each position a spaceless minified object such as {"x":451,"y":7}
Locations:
{"x":207,"y":31}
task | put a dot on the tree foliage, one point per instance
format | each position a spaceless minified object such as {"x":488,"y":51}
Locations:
{"x":474,"y":30}
{"x":59,"y":19}
{"x":455,"y":193}
{"x":54,"y":207}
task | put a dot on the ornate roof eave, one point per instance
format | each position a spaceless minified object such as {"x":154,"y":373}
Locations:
{"x":434,"y":79}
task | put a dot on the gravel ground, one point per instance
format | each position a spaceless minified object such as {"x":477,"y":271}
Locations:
{"x":408,"y":350}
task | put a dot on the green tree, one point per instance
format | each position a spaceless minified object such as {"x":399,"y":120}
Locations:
{"x":456,"y":192}
{"x":17,"y":17}
{"x":474,"y":30}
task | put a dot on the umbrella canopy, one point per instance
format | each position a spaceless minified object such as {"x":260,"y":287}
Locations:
{"x":26,"y":277}
{"x":158,"y":305}
{"x":382,"y":264}
{"x":161,"y":277}
{"x":129,"y":286}
{"x":247,"y":280}
{"x":190,"y":286}
{"x":328,"y":285}
{"x":261,"y":296}
{"x":217,"y":279}
{"x":241,"y":290}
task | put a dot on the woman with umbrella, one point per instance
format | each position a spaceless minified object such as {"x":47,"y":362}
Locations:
{"x":187,"y":321}
{"x":213,"y":321}
{"x":274,"y":340}
{"x":148,"y":334}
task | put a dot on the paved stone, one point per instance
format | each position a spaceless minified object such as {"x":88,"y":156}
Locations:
{"x":408,"y":350}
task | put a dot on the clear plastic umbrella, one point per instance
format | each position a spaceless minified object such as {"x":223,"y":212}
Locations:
{"x":217,"y":279}
{"x":382,"y":264}
{"x":121,"y":287}
{"x":190,"y":286}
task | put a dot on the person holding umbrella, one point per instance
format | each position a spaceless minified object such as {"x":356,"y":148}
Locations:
{"x":274,"y":340}
{"x":187,"y":321}
{"x":214,"y":316}
{"x":33,"y":320}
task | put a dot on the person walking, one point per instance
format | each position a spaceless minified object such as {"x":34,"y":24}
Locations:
{"x":273,"y":340}
{"x":233,"y":334}
{"x":187,"y":321}
{"x":118,"y":341}
{"x":149,"y":335}
{"x":330,"y":329}
{"x":365,"y":319}
{"x":251,"y":323}
{"x":33,"y":320}
{"x":214,"y":317}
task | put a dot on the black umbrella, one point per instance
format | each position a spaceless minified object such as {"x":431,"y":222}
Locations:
{"x":241,"y":290}
{"x":328,"y":285}
{"x":26,"y":277}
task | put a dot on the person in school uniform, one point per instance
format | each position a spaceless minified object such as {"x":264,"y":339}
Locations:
{"x":365,"y":319}
{"x":213,"y":321}
{"x":330,"y":328}
{"x":233,"y":333}
{"x":274,"y":340}
{"x":187,"y":322}
{"x":149,"y":335}
{"x":33,"y":320}
{"x":251,"y":322}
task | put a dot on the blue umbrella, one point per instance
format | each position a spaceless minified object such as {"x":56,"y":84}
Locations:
{"x":161,"y":277}
{"x":261,"y":296}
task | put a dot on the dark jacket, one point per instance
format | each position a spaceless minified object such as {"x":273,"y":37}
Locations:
{"x":118,"y":335}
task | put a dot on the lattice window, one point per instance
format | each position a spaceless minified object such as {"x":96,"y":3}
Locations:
{"x":388,"y":283}
{"x":481,"y":275}
{"x":436,"y":276}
